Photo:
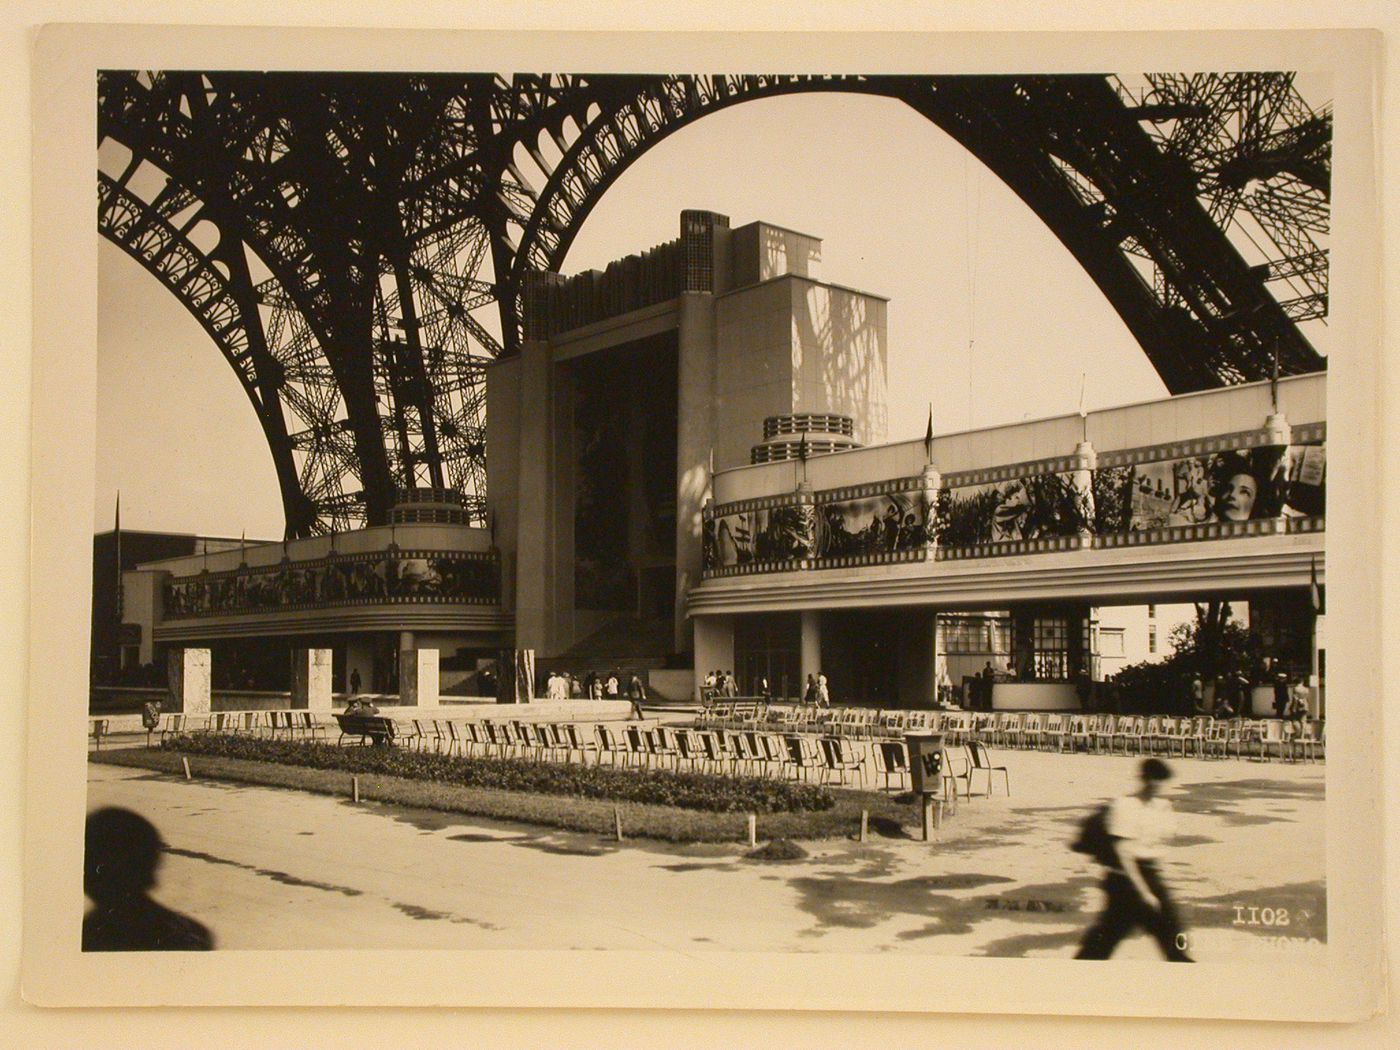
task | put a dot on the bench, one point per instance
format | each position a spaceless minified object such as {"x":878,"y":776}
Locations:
{"x":373,"y":729}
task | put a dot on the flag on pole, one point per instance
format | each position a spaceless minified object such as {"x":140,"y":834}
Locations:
{"x":928,"y":435}
{"x":1314,"y":591}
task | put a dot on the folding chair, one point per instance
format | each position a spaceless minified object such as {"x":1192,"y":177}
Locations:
{"x":660,"y":746}
{"x":709,"y":748}
{"x":891,"y":761}
{"x":609,"y":745}
{"x":839,"y":758}
{"x":1057,"y":731}
{"x":687,"y":749}
{"x":1032,"y":731}
{"x":173,"y":725}
{"x":97,"y":729}
{"x":1303,"y":743}
{"x":981,"y":762}
{"x":741,"y":750}
{"x":527,"y":739}
{"x":1081,"y":731}
{"x":638,"y":752}
{"x":498,"y":740}
{"x":1270,"y":735}
{"x":803,"y":754}
{"x":574,"y":741}
{"x":311,"y":726}
{"x":776,"y":759}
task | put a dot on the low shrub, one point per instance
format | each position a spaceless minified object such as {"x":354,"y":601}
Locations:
{"x":777,"y":850}
{"x":682,"y":790}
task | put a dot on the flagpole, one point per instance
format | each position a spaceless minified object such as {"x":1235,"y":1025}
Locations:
{"x":117,"y":528}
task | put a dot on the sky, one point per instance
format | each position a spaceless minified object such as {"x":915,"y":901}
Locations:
{"x":990,"y":318}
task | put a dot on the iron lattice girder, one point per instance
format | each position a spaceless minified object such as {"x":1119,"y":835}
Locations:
{"x":391,"y":208}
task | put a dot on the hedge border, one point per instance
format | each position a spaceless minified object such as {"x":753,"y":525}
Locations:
{"x":640,"y":820}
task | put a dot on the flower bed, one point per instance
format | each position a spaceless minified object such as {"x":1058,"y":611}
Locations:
{"x":682,"y":790}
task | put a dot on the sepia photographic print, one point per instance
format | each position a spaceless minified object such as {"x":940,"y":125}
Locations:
{"x":623,"y":529}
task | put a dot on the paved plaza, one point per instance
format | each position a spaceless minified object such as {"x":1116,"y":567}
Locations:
{"x":275,"y":869}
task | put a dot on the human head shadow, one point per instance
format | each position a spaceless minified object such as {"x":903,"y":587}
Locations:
{"x":121,"y":854}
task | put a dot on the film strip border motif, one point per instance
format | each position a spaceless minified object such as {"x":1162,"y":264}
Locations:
{"x":1220,"y":487}
{"x":372,"y":578}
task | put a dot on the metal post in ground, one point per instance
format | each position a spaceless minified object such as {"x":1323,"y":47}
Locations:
{"x":355,"y":788}
{"x":864,"y":824}
{"x":617,"y":822}
{"x":186,"y":763}
{"x":753,"y":830}
{"x":928,"y":821}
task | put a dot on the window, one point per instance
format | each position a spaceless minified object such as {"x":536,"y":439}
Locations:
{"x":1050,"y":639}
{"x":1152,"y":638}
{"x":1111,"y":641}
{"x":1152,"y":612}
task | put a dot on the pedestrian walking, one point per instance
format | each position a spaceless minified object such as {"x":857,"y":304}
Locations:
{"x":1126,"y":837}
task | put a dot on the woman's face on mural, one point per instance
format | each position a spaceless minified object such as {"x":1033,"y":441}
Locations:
{"x":1013,"y":507}
{"x":1236,"y":499}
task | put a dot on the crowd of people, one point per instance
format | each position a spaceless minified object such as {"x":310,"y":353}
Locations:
{"x":563,"y":685}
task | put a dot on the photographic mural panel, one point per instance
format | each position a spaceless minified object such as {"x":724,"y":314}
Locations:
{"x":1238,"y":485}
{"x":755,"y":535}
{"x":1233,"y":485}
{"x":891,"y":521}
{"x":1024,"y":508}
{"x":348,"y":580}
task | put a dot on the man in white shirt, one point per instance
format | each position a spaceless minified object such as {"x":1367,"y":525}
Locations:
{"x":1139,"y":826}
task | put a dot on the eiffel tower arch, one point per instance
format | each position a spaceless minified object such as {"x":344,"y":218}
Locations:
{"x":358,"y":245}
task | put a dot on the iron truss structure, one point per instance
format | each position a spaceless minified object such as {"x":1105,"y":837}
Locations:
{"x":357,"y":245}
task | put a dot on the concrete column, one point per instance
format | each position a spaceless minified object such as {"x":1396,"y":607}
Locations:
{"x":534,"y":541}
{"x":189,"y":671}
{"x":559,"y":529}
{"x":811,"y":659}
{"x":714,"y":646}
{"x":311,"y":679}
{"x":695,"y":437}
{"x":418,"y":677}
{"x":918,"y":664}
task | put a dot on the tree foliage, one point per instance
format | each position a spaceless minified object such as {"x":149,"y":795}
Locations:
{"x":1212,"y":647}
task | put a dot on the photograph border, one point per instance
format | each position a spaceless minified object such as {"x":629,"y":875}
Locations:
{"x":1347,"y":987}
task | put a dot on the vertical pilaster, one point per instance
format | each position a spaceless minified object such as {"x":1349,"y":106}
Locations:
{"x":189,"y":680}
{"x":311,"y":679}
{"x":811,"y":657}
{"x":418,"y":678}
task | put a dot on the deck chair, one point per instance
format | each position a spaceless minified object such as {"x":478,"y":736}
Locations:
{"x":980,"y":761}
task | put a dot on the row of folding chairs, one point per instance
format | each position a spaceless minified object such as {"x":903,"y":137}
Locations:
{"x":862,"y":723}
{"x":636,"y":745}
{"x":961,"y":764}
{"x":277,"y":725}
{"x":1201,"y":736}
